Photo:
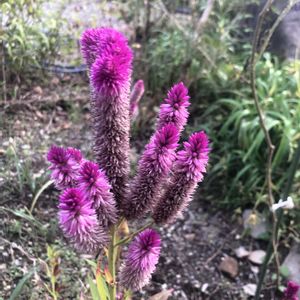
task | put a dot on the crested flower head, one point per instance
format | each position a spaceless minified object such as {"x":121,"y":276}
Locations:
{"x":141,"y":260}
{"x":111,"y":69}
{"x":154,"y":165}
{"x":159,"y":153}
{"x":94,"y":184}
{"x":188,"y":170}
{"x":65,"y":163}
{"x":135,"y":97}
{"x":193,"y":159}
{"x":95,"y":41}
{"x":291,"y":291}
{"x":174,"y":109}
{"x":79,"y":223}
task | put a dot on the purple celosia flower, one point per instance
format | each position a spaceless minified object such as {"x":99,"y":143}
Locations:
{"x":111,"y":58}
{"x":141,"y":260}
{"x":135,"y":97}
{"x":95,"y":186}
{"x":174,"y":109}
{"x":189,"y":167}
{"x":154,"y":166}
{"x":78,"y":221}
{"x":65,"y":163}
{"x":95,"y":41}
{"x":291,"y":291}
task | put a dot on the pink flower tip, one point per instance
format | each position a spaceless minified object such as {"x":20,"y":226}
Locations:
{"x":141,"y":260}
{"x":65,"y":163}
{"x":194,"y":158}
{"x":174,"y":109}
{"x":166,"y":138}
{"x":95,"y":41}
{"x":291,"y":291}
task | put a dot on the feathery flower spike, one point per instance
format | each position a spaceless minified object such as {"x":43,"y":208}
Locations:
{"x":79,"y":223}
{"x":141,"y":260}
{"x":135,"y":97}
{"x":174,"y":108}
{"x":188,"y":170}
{"x":93,"y":182}
{"x":65,"y":163}
{"x":110,"y":78}
{"x":154,"y":165}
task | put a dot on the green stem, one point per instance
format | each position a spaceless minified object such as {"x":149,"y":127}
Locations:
{"x":131,"y":236}
{"x":112,"y":262}
{"x":291,"y":175}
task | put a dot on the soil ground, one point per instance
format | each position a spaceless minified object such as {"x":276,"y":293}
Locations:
{"x":193,"y":247}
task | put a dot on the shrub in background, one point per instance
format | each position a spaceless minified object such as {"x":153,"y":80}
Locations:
{"x":27,"y":37}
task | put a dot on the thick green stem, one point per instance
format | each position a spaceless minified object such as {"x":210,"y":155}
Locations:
{"x":112,"y":251}
{"x":291,"y":175}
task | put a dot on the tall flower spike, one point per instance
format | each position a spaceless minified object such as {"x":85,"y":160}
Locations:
{"x":174,"y":108}
{"x":154,"y":165}
{"x":79,"y":223}
{"x":291,"y":291}
{"x":95,"y":186}
{"x":65,"y":163}
{"x":135,"y":97}
{"x":110,"y":83}
{"x":141,"y":260}
{"x":189,"y":167}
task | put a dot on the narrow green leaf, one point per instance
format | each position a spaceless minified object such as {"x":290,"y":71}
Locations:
{"x":17,"y":291}
{"x":38,"y":194}
{"x":102,"y":287}
{"x":93,"y":289}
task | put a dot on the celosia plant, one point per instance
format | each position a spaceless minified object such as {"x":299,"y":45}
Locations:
{"x":98,"y":198}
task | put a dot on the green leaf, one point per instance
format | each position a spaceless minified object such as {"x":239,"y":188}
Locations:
{"x":102,"y":286}
{"x":284,"y":271}
{"x":17,"y":291}
{"x":93,"y":289}
{"x":38,"y":194}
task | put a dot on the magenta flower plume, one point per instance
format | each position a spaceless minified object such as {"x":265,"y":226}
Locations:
{"x":154,"y":166}
{"x":141,"y":260}
{"x":135,"y":97}
{"x":110,"y":78}
{"x":189,"y":167}
{"x":79,"y":223}
{"x":291,"y":291}
{"x":95,"y":186}
{"x":65,"y":163}
{"x":95,"y":41}
{"x":174,"y":108}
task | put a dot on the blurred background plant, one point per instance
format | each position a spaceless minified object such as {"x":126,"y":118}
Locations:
{"x":28,"y":38}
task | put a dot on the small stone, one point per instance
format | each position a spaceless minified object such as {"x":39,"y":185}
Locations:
{"x":2,"y":267}
{"x":241,"y":252}
{"x":38,"y":90}
{"x":257,"y":257}
{"x":254,"y":269}
{"x":229,"y":266}
{"x":204,"y":287}
{"x":292,"y":263}
{"x":250,"y":289}
{"x":190,"y":236}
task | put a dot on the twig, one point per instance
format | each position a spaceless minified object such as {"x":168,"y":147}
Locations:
{"x":4,"y":74}
{"x":184,"y":32}
{"x":273,"y":28}
{"x":205,"y":15}
{"x":286,"y":192}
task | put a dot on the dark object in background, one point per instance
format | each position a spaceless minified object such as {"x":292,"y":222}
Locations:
{"x":286,"y":39}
